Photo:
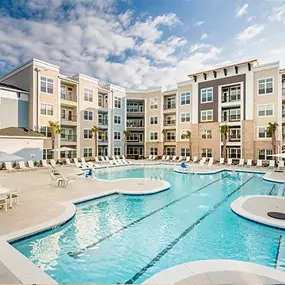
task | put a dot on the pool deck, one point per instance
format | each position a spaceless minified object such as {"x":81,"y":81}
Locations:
{"x":43,"y":205}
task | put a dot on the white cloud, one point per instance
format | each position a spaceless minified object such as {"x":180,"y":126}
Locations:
{"x":277,"y":14}
{"x":241,"y":10}
{"x":199,"y":23}
{"x":250,"y":18}
{"x":249,"y":33}
{"x":204,"y":36}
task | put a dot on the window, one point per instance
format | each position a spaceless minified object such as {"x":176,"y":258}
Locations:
{"x":207,"y":134}
{"x":45,"y":131}
{"x":235,"y":115}
{"x":185,"y":117}
{"x":88,"y":95}
{"x":265,"y":86}
{"x":170,"y":136}
{"x":117,"y":120}
{"x":265,"y":110}
{"x":185,"y":152}
{"x":154,"y":103}
{"x":153,"y":151}
{"x":265,"y":154}
{"x":88,"y":115}
{"x":87,"y":134}
{"x":185,"y":98}
{"x":47,"y":109}
{"x":170,"y":151}
{"x":153,"y":120}
{"x":182,"y":135}
{"x":206,"y":152}
{"x":207,"y":95}
{"x":153,"y":136}
{"x":117,"y":135}
{"x":117,"y":151}
{"x":117,"y":102}
{"x":262,"y":134}
{"x":207,"y":116}
{"x":234,"y":93}
{"x":46,"y":85}
{"x":47,"y":153}
{"x":234,"y":153}
{"x":235,"y":134}
{"x":88,"y":152}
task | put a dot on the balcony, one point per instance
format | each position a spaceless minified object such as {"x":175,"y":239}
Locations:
{"x":103,"y":122}
{"x":169,"y":123}
{"x":135,"y":124}
{"x":135,"y":109}
{"x":68,"y":100}
{"x":170,"y":139}
{"x":231,"y":98}
{"x":230,"y":119}
{"x":68,"y":139}
{"x":70,"y":120}
{"x":170,"y":107}
{"x":103,"y":140}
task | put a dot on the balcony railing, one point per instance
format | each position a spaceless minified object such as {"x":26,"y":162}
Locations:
{"x":103,"y":140}
{"x":138,"y":124}
{"x":68,"y":138}
{"x":67,"y":97}
{"x":231,"y":119}
{"x":69,"y":118}
{"x":231,"y":98}
{"x":283,"y":88}
{"x":169,"y":123}
{"x":103,"y":122}
{"x":169,"y":106}
{"x":135,"y":109}
{"x":170,"y":139}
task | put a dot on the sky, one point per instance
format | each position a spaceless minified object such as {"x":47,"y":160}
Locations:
{"x":140,"y":43}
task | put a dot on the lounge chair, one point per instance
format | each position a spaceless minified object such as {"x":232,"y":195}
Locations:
{"x":187,"y":158}
{"x":259,"y":163}
{"x":195,"y":159}
{"x":102,"y":159}
{"x":83,"y":160}
{"x":211,"y":162}
{"x":15,"y":196}
{"x":4,"y":202}
{"x":126,"y":161}
{"x":163,"y":158}
{"x":167,"y":158}
{"x":107,"y":158}
{"x":31,"y":165}
{"x":90,"y":164}
{"x":154,"y":157}
{"x":271,"y":164}
{"x":249,"y":163}
{"x":173,"y":158}
{"x":222,"y":161}
{"x":23,"y":165}
{"x":118,"y":157}
{"x":202,"y":161}
{"x":67,"y":160}
{"x":123,"y":157}
{"x":45,"y":163}
{"x":180,"y":158}
{"x":241,"y":162}
{"x":97,"y":160}
{"x":150,"y":157}
{"x":52,"y":162}
{"x":230,"y":162}
{"x":281,"y":165}
{"x":9,"y":167}
{"x":77,"y":164}
{"x":120,"y":161}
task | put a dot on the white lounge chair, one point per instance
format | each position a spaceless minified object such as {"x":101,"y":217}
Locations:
{"x":9,"y":167}
{"x":107,"y":158}
{"x":187,"y":158}
{"x":45,"y":163}
{"x":83,"y":160}
{"x":77,"y":164}
{"x":180,"y":158}
{"x":125,"y":161}
{"x":52,"y":162}
{"x":195,"y":159}
{"x":249,"y":163}
{"x":15,"y":196}
{"x":97,"y":160}
{"x":230,"y":162}
{"x":154,"y":157}
{"x":222,"y":161}
{"x":211,"y":162}
{"x":271,"y":164}
{"x":67,"y":160}
{"x":90,"y":164}
{"x":241,"y":162}
{"x":4,"y":202}
{"x":102,"y":159}
{"x":167,"y":158}
{"x":281,"y":165}
{"x":123,"y":157}
{"x":23,"y":165}
{"x":150,"y":157}
{"x":259,"y":163}
{"x":31,"y":165}
{"x":173,"y":158}
{"x":117,"y":156}
{"x":202,"y":161}
{"x":163,"y":158}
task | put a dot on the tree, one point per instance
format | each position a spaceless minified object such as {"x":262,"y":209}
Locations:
{"x":126,"y":134}
{"x":164,"y":132}
{"x":224,"y":129}
{"x":54,"y":129}
{"x":188,"y":135}
{"x":95,"y":131}
{"x":271,"y":132}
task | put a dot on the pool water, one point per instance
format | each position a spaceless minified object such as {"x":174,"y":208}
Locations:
{"x":127,"y":239}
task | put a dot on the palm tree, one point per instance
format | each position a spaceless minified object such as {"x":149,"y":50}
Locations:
{"x":224,"y":129}
{"x":164,"y":132}
{"x":271,"y":132}
{"x":54,"y":129}
{"x":126,"y":134}
{"x":188,"y":135}
{"x":95,"y":130}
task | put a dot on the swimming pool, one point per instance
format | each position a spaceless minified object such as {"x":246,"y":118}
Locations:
{"x":127,"y":239}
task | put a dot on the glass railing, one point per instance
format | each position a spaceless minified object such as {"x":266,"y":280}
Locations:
{"x":169,"y":123}
{"x":231,"y":98}
{"x":69,"y":138}
{"x":169,"y":106}
{"x":135,"y":124}
{"x":69,"y":118}
{"x":67,"y":97}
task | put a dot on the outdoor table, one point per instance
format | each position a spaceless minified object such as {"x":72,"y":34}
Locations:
{"x":4,"y":190}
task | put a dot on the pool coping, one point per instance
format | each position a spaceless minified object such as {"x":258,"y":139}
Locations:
{"x":176,"y":274}
{"x":237,"y":207}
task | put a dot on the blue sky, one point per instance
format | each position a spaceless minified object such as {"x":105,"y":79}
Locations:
{"x":140,"y":43}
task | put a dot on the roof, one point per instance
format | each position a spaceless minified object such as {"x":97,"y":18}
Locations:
{"x":8,"y":86}
{"x":223,"y":67}
{"x":19,"y":132}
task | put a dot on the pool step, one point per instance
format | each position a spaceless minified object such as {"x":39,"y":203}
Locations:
{"x":280,"y":257}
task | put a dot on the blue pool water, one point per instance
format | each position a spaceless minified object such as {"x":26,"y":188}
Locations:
{"x":127,"y":239}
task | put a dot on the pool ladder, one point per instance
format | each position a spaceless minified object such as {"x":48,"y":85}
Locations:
{"x":155,"y":176}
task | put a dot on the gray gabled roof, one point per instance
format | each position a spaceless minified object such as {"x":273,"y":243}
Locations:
{"x":8,"y":86}
{"x":19,"y":132}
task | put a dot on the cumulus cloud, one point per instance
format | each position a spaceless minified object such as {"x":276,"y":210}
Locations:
{"x":204,"y":36}
{"x":241,"y":10}
{"x":249,"y":33}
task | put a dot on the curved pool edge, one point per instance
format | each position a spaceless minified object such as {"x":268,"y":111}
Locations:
{"x":180,"y":273}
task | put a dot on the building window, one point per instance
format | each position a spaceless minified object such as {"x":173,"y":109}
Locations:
{"x":234,"y":93}
{"x":46,"y":109}
{"x":117,"y":120}
{"x":235,"y":115}
{"x":153,"y":136}
{"x":207,"y":134}
{"x":88,"y":95}
{"x":185,"y":152}
{"x":185,"y":117}
{"x":235,"y":134}
{"x":117,"y":151}
{"x":170,"y":150}
{"x":46,"y":85}
{"x":45,"y":131}
{"x":117,"y":102}
{"x":265,"y":86}
{"x":117,"y":136}
{"x":234,"y":153}
{"x":207,"y":116}
{"x":206,"y":152}
{"x":207,"y":95}
{"x":170,"y":136}
{"x":47,"y":153}
{"x":154,"y":103}
{"x":265,"y":154}
{"x":185,"y":98}
{"x":153,"y":151}
{"x":182,"y":135}
{"x":265,"y":110}
{"x":87,"y":134}
{"x":88,"y":152}
{"x":262,"y":134}
{"x":88,"y":115}
{"x":153,"y":120}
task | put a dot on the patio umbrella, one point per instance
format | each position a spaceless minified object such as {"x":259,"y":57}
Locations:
{"x":64,"y":148}
{"x":6,"y":157}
